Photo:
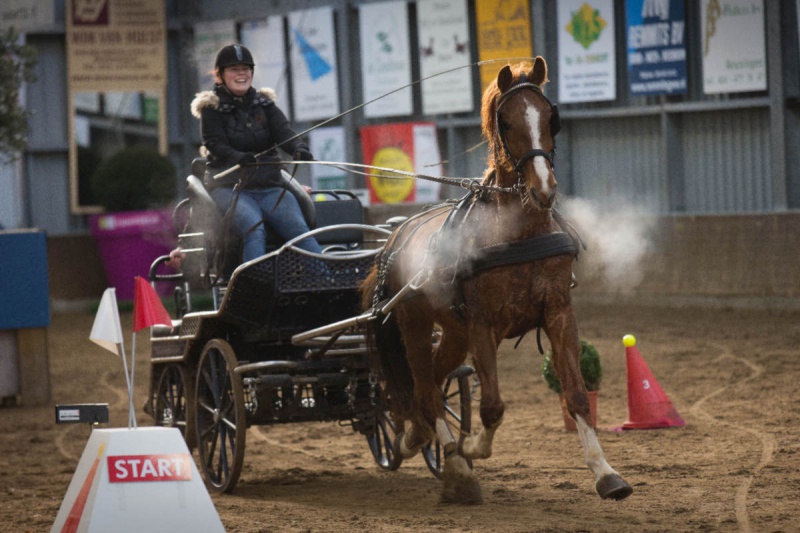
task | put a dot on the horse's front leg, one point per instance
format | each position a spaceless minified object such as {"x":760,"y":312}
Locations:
{"x":563,"y":334}
{"x":484,"y":349}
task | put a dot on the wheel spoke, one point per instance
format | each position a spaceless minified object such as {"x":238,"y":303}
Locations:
{"x":221,"y":424}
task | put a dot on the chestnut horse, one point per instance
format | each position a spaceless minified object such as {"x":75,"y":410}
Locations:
{"x":450,"y":266}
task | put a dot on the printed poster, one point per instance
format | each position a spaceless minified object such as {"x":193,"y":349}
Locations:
{"x":209,"y":37}
{"x":409,"y":147}
{"x":504,"y":32}
{"x":314,"y":70}
{"x":656,"y":47}
{"x":734,"y":47}
{"x":587,"y":71}
{"x":116,"y":45}
{"x":27,"y":16}
{"x":385,"y":59}
{"x":264,"y":38}
{"x":327,"y":144}
{"x":443,"y":46}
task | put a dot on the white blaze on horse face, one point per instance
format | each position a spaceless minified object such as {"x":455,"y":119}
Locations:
{"x":539,"y":166}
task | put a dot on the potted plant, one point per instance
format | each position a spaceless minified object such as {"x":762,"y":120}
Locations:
{"x":592,"y":372}
{"x":136,"y":187}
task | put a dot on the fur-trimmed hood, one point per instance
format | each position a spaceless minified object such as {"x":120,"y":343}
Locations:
{"x":206,"y":99}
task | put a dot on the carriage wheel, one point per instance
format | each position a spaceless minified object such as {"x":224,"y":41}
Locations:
{"x":457,"y":397}
{"x":382,"y":442}
{"x":172,"y":410}
{"x":220,"y":416}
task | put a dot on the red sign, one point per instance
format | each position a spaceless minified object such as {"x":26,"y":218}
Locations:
{"x":389,"y":146}
{"x":162,"y":467}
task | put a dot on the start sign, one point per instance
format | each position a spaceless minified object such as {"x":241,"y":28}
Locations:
{"x":163,"y":467}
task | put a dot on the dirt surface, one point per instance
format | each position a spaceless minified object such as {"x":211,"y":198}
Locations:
{"x":731,"y":374}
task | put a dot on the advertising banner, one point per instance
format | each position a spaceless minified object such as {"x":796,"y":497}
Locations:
{"x":313,"y":57}
{"x":116,"y":45}
{"x":444,"y":45}
{"x":408,"y":147}
{"x":327,"y":144}
{"x":656,"y":47}
{"x":587,"y":70}
{"x":734,"y":47}
{"x":27,"y":15}
{"x":264,"y":38}
{"x":504,"y":31}
{"x":385,"y":59}
{"x":209,"y":37}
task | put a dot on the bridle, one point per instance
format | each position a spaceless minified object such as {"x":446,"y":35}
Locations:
{"x":555,"y":127}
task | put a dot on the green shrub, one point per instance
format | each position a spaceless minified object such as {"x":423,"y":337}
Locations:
{"x":591,"y":370}
{"x":135,"y":178}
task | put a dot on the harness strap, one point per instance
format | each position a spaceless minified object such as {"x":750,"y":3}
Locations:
{"x":512,"y":253}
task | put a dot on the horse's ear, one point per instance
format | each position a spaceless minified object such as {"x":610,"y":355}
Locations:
{"x":504,"y":78}
{"x":538,"y":73}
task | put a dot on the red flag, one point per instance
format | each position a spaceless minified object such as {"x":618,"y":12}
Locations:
{"x":147,"y":307}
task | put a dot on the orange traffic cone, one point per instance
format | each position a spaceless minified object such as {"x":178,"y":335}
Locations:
{"x":648,"y":406}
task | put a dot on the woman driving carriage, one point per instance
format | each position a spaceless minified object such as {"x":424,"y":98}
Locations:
{"x":242,"y":126}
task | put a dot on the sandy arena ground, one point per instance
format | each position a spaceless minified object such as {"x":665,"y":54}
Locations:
{"x":735,"y":467}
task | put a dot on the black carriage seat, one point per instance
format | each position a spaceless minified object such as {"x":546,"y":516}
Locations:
{"x":205,"y":222}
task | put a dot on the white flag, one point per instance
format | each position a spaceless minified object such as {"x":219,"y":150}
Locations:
{"x":107,"y":330}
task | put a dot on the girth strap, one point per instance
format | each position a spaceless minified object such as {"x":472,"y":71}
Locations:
{"x":512,"y":253}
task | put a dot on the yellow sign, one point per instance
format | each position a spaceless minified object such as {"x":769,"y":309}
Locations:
{"x":504,"y":30}
{"x":389,"y":187}
{"x":116,"y":45}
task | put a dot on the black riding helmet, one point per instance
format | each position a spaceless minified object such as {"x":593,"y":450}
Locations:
{"x":234,"y":54}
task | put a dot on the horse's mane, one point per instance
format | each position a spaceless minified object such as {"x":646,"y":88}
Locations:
{"x":497,"y":157}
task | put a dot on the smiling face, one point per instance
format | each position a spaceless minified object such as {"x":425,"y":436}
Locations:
{"x":237,"y":78}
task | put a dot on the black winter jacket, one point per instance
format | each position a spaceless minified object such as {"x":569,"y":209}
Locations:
{"x":231,"y":127}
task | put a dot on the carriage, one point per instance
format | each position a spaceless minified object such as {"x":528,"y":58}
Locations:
{"x":281,"y":338}
{"x":288,"y":339}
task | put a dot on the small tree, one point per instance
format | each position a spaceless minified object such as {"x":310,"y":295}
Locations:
{"x":136,"y":177}
{"x":16,"y":67}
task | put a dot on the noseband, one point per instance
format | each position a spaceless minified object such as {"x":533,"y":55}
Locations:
{"x":555,"y":126}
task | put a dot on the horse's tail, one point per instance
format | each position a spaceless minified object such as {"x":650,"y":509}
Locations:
{"x":387,"y":351}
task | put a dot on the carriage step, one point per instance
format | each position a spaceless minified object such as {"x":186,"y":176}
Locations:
{"x":270,"y":367}
{"x":275,"y":380}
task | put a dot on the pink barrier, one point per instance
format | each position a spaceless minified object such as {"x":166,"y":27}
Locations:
{"x":129,"y":242}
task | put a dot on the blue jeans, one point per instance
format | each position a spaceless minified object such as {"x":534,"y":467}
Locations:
{"x":256,"y":205}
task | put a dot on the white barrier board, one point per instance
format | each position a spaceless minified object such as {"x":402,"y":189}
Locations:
{"x":134,"y":480}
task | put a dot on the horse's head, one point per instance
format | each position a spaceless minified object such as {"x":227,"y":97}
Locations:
{"x":520,"y":124}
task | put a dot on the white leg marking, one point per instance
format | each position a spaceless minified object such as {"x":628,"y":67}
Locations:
{"x":443,"y":432}
{"x":480,"y":446}
{"x":591,"y":448}
{"x":405,"y":451}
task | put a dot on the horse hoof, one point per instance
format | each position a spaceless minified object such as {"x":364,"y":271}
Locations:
{"x":460,"y":485}
{"x":400,"y":446}
{"x":612,"y":486}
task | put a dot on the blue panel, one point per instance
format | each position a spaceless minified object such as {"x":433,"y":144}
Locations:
{"x":24,"y":284}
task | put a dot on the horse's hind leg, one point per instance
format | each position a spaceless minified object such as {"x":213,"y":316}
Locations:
{"x":460,"y":483}
{"x":479,"y":446}
{"x":417,"y":328}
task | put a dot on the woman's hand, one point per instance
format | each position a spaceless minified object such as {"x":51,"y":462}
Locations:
{"x":302,"y":154}
{"x":176,"y":258}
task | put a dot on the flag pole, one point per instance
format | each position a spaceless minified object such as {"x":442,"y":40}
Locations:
{"x":121,"y":348}
{"x":133,"y":366}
